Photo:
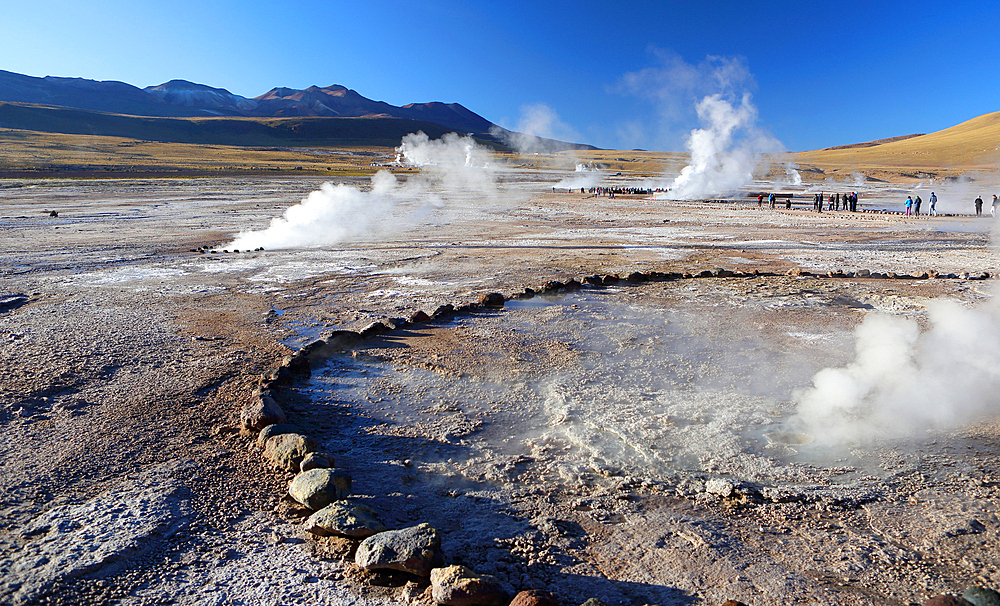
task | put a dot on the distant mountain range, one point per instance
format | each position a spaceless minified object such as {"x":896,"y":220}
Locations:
{"x":183,"y":99}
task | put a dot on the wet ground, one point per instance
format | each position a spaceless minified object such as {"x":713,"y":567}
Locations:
{"x":563,"y":443}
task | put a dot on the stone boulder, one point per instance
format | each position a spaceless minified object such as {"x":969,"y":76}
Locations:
{"x":395,"y":323}
{"x":419,"y":317}
{"x":274,"y":430}
{"x":416,"y":550}
{"x":460,"y":586}
{"x":492,"y":300}
{"x":340,"y":339}
{"x":286,"y":450}
{"x":373,"y":329}
{"x":345,"y":518}
{"x":443,"y":312}
{"x":319,"y":487}
{"x":981,"y":596}
{"x":534,"y":597}
{"x":315,"y":460}
{"x":947,"y":600}
{"x":719,"y":486}
{"x":261,"y":412}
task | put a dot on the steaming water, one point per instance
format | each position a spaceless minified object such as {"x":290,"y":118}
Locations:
{"x":604,"y":385}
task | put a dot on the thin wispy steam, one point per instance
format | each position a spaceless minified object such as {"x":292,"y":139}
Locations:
{"x":451,"y":167}
{"x":539,"y":130}
{"x":675,"y":88}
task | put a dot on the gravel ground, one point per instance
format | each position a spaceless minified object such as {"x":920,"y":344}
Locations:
{"x":125,"y":355}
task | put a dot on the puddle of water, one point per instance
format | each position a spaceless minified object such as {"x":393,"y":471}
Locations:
{"x":635,"y":389}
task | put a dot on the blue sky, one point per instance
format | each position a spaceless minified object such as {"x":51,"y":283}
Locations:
{"x":614,"y":74}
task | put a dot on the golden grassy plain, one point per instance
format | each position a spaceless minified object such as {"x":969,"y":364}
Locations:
{"x":970,"y":147}
{"x":28,"y":153}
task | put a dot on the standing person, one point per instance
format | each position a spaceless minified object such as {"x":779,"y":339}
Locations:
{"x":770,"y":200}
{"x":909,"y":205}
{"x":836,"y":201}
{"x":993,"y":207}
{"x":979,"y":206}
{"x":933,"y":209}
{"x":916,"y":206}
{"x":760,"y":200}
{"x":854,"y":202}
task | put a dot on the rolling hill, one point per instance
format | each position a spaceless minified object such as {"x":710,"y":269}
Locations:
{"x":973,"y":145}
{"x":305,"y":131}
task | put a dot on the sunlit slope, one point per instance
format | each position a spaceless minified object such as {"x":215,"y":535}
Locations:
{"x":973,"y":145}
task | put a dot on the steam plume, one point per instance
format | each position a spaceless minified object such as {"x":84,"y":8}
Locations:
{"x":452,"y":166}
{"x":586,"y":175}
{"x":721,"y":162}
{"x":539,"y":130}
{"x":728,"y":145}
{"x":904,"y":381}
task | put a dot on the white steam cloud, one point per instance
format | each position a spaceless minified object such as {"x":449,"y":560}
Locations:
{"x":586,"y":175}
{"x":451,"y":167}
{"x":794,"y":178}
{"x":725,"y":152}
{"x":904,"y":381}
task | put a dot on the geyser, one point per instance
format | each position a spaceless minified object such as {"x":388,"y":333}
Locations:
{"x":451,"y":167}
{"x":724,"y":152}
{"x":904,"y":381}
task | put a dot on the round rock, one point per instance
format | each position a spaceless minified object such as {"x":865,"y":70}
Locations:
{"x":286,"y":450}
{"x":493,"y":299}
{"x":274,"y":430}
{"x":981,"y":596}
{"x":947,"y":600}
{"x":460,"y":586}
{"x":317,"y":488}
{"x":261,"y":412}
{"x":345,"y":518}
{"x":534,"y":597}
{"x":416,"y":550}
{"x":719,"y":486}
{"x":315,"y":460}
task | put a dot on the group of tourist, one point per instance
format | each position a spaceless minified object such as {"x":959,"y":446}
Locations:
{"x":993,"y":207}
{"x":913,"y":205}
{"x":611,"y":192}
{"x":836,"y":201}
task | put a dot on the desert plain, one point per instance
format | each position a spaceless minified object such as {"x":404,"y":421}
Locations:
{"x":630,"y":442}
